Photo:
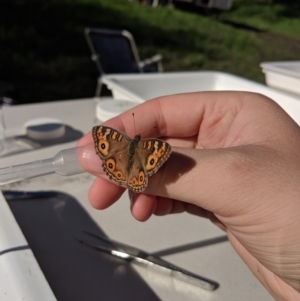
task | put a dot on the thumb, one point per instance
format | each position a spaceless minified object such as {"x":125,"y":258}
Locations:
{"x":214,"y":179}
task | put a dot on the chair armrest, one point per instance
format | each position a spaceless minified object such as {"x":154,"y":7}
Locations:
{"x":94,"y":57}
{"x":154,"y":60}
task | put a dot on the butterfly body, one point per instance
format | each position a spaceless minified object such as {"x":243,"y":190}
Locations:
{"x":129,"y":161}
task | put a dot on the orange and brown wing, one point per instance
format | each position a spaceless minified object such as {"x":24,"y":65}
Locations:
{"x":112,"y":147}
{"x":150,"y":156}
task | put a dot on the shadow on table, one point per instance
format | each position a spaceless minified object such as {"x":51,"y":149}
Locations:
{"x":24,"y":143}
{"x":52,"y":222}
{"x":70,"y":135}
{"x":191,"y":246}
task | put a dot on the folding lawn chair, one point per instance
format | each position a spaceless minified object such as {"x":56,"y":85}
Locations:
{"x":114,"y":51}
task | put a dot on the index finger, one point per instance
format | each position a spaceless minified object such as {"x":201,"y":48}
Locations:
{"x":169,"y":116}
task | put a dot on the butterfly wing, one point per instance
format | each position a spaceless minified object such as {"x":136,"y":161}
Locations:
{"x":137,"y":176}
{"x":129,"y":161}
{"x":150,"y":156}
{"x":112,"y":147}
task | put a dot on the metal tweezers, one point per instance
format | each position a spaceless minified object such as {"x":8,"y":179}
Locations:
{"x":155,"y":263}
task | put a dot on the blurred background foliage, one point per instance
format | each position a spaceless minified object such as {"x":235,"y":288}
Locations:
{"x":44,"y":55}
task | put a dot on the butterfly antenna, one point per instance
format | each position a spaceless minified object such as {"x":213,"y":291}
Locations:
{"x":134,"y":123}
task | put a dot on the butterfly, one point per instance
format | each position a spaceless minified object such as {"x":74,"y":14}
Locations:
{"x":129,"y":161}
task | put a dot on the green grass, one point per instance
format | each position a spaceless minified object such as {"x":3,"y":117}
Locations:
{"x":280,"y":18}
{"x":44,"y":53}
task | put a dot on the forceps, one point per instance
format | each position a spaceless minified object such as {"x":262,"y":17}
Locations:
{"x":152,"y":262}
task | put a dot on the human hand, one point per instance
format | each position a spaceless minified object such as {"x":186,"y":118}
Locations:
{"x":235,"y":160}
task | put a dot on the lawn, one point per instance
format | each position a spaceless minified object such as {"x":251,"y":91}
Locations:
{"x":44,"y":54}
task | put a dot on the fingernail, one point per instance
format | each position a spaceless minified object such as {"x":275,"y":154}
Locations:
{"x":89,"y":160}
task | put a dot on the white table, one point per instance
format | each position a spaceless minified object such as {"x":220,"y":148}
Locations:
{"x":182,"y":233}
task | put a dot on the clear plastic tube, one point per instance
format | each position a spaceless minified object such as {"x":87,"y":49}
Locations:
{"x":65,"y":163}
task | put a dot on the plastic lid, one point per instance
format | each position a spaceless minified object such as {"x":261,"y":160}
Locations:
{"x":107,"y":109}
{"x":45,"y":129}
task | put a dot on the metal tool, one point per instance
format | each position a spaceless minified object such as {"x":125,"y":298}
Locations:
{"x":149,"y":261}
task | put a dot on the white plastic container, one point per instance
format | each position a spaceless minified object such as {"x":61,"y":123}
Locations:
{"x":283,"y":75}
{"x":142,"y":87}
{"x":44,"y":128}
{"x":108,"y":108}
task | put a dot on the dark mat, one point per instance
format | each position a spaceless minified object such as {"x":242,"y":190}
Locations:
{"x":51,"y":223}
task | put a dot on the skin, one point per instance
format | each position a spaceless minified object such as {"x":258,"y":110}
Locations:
{"x":237,"y":155}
